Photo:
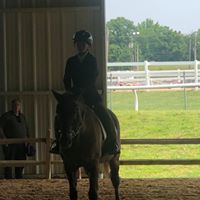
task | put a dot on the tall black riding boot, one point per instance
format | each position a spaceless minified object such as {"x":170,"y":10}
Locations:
{"x":111,"y":145}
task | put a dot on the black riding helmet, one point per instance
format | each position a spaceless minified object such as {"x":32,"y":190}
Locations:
{"x":83,"y":36}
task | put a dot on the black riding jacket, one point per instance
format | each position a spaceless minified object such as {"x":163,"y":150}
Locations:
{"x":80,"y":77}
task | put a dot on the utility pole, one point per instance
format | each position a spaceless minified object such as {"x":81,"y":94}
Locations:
{"x":190,"y":48}
{"x":195,"y":45}
{"x":136,"y":51}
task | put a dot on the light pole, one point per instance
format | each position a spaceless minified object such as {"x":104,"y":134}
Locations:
{"x":190,"y":47}
{"x":136,"y":50}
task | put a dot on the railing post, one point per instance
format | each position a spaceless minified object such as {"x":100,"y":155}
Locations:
{"x":48,"y":155}
{"x":136,"y":100}
{"x":196,"y":73}
{"x":111,"y":83}
{"x":179,"y":75}
{"x":146,"y":68}
{"x":185,"y":96}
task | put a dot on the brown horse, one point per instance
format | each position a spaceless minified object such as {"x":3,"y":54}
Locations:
{"x":81,"y":142}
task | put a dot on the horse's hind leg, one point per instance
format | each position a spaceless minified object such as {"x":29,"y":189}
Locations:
{"x":114,"y":174}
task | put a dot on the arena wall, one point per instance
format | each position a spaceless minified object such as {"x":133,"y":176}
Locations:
{"x":36,"y":40}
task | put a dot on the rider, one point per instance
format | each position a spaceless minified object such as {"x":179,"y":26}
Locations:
{"x":80,"y":76}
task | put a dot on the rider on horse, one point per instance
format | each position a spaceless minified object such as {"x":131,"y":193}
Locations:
{"x":80,"y":76}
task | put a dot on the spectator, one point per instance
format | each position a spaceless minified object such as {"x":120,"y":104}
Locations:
{"x":13,"y":125}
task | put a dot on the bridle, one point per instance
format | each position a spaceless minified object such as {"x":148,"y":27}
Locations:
{"x":76,"y":124}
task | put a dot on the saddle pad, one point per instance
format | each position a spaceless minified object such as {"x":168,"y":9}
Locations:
{"x":104,"y":134}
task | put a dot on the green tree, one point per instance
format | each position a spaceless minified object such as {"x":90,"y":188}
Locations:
{"x":160,"y":43}
{"x":194,"y":40}
{"x":155,"y":42}
{"x":198,"y":44}
{"x":120,"y":37}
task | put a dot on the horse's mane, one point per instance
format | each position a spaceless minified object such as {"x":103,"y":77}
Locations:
{"x":83,"y":113}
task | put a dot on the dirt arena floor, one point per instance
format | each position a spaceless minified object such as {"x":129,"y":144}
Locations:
{"x":130,"y":189}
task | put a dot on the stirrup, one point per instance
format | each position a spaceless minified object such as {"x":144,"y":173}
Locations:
{"x":54,"y":148}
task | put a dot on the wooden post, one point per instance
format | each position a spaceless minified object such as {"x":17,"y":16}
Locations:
{"x":135,"y":100}
{"x":48,"y":156}
{"x":146,"y":68}
{"x":196,"y":76}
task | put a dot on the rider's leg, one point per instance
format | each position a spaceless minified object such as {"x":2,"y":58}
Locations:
{"x":111,"y":145}
{"x":93,"y":99}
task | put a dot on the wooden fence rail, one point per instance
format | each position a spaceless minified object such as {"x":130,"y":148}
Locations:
{"x":48,"y":162}
{"x":17,"y":163}
{"x":162,"y":141}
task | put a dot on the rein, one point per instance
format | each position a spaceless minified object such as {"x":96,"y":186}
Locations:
{"x":79,"y":117}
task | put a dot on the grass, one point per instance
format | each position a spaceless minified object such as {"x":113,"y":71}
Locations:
{"x":161,"y":115}
{"x":155,"y":101}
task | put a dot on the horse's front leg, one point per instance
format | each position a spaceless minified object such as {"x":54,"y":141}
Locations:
{"x":72,"y":179}
{"x":93,"y":171}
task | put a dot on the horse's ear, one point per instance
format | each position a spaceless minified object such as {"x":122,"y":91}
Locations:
{"x":57,"y":95}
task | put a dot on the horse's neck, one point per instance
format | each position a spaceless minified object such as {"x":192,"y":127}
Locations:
{"x":83,"y":116}
{"x":80,"y":111}
{"x":83,"y":109}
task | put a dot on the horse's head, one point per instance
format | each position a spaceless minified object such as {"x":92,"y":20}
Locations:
{"x":65,"y":115}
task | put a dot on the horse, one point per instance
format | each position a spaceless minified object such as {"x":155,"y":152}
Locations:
{"x":81,"y":141}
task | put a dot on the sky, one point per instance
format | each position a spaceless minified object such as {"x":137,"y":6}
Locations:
{"x":179,"y":15}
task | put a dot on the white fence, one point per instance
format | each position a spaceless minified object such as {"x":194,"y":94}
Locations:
{"x":149,"y":78}
{"x":156,"y":77}
{"x":146,"y":79}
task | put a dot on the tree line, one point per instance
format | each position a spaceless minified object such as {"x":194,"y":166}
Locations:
{"x":150,"y":41}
